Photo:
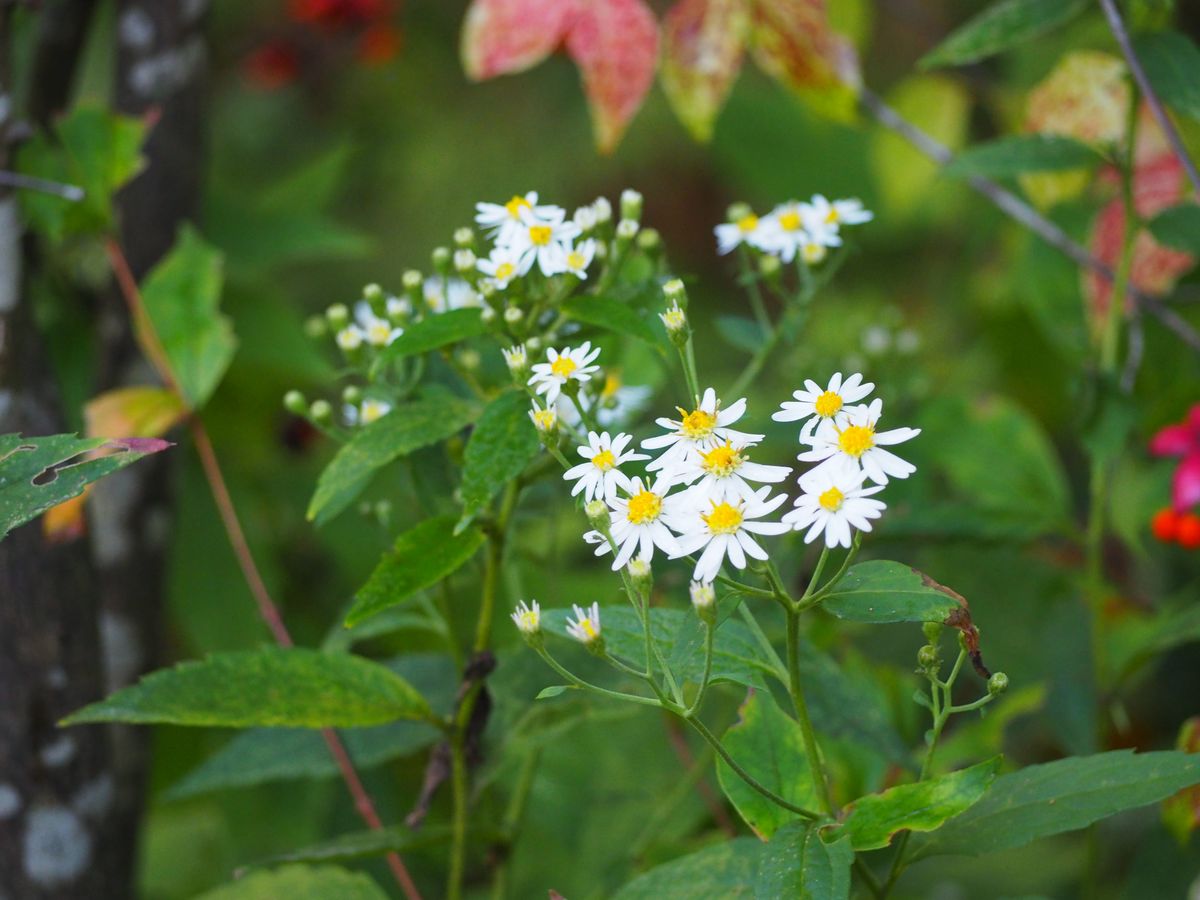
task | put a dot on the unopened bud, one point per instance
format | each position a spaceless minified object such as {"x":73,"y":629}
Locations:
{"x":641,"y":574}
{"x":464,"y":262}
{"x":545,"y":421}
{"x":412,"y":280}
{"x":649,"y":241}
{"x":349,"y":340}
{"x":932,"y":631}
{"x":675,"y":321}
{"x":338,"y":316}
{"x":517,"y":360}
{"x":738,"y":211}
{"x":598,"y":514}
{"x":295,"y":403}
{"x":513,"y":315}
{"x":316,"y":327}
{"x":469,"y":359}
{"x":321,"y":412}
{"x":927,"y":657}
{"x":487,"y":314}
{"x":585,"y":219}
{"x":769,"y":266}
{"x":487,"y":288}
{"x":352,"y":395}
{"x":603,"y":210}
{"x":534,"y":344}
{"x":997,"y":684}
{"x":627,"y":230}
{"x":704,"y":601}
{"x":631,"y":204}
{"x":441,"y":259}
{"x":373,"y":294}
{"x":676,"y":293}
{"x":465,"y":238}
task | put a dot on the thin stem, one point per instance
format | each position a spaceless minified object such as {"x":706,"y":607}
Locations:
{"x":743,"y":588}
{"x":816,"y":575}
{"x":781,"y":671}
{"x":587,"y":685}
{"x":868,"y":877}
{"x":687,"y":359}
{"x":709,"y":634}
{"x":750,"y":279}
{"x":32,"y":183}
{"x":795,"y":688}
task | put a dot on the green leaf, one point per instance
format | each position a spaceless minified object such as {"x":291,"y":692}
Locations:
{"x":273,"y":686}
{"x":1010,"y":156}
{"x":363,"y":845}
{"x":744,"y":334}
{"x":1064,"y":795}
{"x":181,"y":295}
{"x":422,"y":422}
{"x":605,"y":312}
{"x":421,"y":557}
{"x":436,"y":331}
{"x":1172,"y":65}
{"x":923,"y":806}
{"x":1000,"y":27}
{"x":883,"y":591}
{"x":768,"y":744}
{"x":799,"y":863}
{"x":554,"y":690}
{"x":299,"y":883}
{"x":501,"y":446}
{"x":1178,"y":227}
{"x":726,"y":870}
{"x":41,"y":472}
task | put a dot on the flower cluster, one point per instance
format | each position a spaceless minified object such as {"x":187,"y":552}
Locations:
{"x":527,"y":233}
{"x":1178,"y":523}
{"x":807,"y":229}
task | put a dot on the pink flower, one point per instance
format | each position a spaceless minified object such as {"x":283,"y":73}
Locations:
{"x":1182,"y":440}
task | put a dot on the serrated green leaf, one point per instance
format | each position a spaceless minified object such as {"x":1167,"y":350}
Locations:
{"x":726,"y":870}
{"x":1059,"y":796}
{"x":768,"y":744}
{"x":1178,"y":227}
{"x":605,"y":312}
{"x":1172,"y":64}
{"x":884,"y":591}
{"x":1000,"y":27}
{"x":798,"y":863}
{"x":362,"y":845}
{"x":274,"y":686}
{"x":436,"y":331}
{"x":406,"y":428}
{"x":182,"y":295}
{"x":421,"y":557}
{"x":1014,"y":155}
{"x":299,"y":883}
{"x":33,"y":477}
{"x":501,"y":446}
{"x":744,"y":334}
{"x":922,"y":806}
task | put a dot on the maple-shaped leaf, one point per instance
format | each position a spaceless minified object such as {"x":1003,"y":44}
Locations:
{"x":500,"y":37}
{"x":615,"y":45}
{"x":703,"y":44}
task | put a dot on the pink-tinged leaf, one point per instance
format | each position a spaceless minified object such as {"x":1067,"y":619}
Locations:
{"x":1185,"y":488}
{"x":703,"y":43}
{"x":615,"y":45}
{"x":1174,"y":440}
{"x":793,"y":43}
{"x":504,"y":36}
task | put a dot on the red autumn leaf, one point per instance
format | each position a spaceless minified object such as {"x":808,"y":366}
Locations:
{"x":703,"y":43}
{"x":793,"y":43}
{"x":615,"y":45}
{"x":500,"y":37}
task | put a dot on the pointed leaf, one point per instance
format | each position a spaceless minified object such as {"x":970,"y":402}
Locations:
{"x":436,"y":331}
{"x":299,"y":883}
{"x":883,"y":591}
{"x":1172,"y":64}
{"x":1014,"y":155}
{"x":144,"y":412}
{"x":703,"y":42}
{"x":1178,"y":227}
{"x":605,"y":312}
{"x":726,"y":870}
{"x":500,"y":37}
{"x":274,"y":686}
{"x":420,"y":558}
{"x":501,"y":446}
{"x":799,"y":863}
{"x":615,"y":45}
{"x":999,"y":27}
{"x":923,"y":806}
{"x":1064,"y":795}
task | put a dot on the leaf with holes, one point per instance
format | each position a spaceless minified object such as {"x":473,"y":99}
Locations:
{"x":883,"y":591}
{"x":298,"y":882}
{"x":501,"y":446}
{"x":500,"y":37}
{"x":799,"y":862}
{"x":1000,"y":27}
{"x":703,"y":43}
{"x":39,"y":473}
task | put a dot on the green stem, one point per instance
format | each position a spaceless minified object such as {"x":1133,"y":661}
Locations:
{"x":587,"y":685}
{"x":709,"y":634}
{"x":795,"y":688}
{"x":765,"y":349}
{"x":781,"y":671}
{"x":750,"y":279}
{"x":743,"y":588}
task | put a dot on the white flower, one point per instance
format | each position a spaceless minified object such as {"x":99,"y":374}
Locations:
{"x":503,"y":220}
{"x":603,"y":209}
{"x":840,"y":212}
{"x":586,"y":627}
{"x":585,"y":218}
{"x":579,"y":257}
{"x":528,"y":619}
{"x":782,"y":232}
{"x":571,"y":364}
{"x":813,"y":253}
{"x":833,"y":502}
{"x":600,"y":476}
{"x":516,"y":359}
{"x":350,"y":338}
{"x":399,"y":307}
{"x":618,"y":403}
{"x":500,"y":266}
{"x":545,"y":241}
{"x":365,"y":413}
{"x":702,"y":594}
{"x":701,"y":429}
{"x":639,"y":568}
{"x":816,"y":405}
{"x":376,"y":331}
{"x":854,"y":443}
{"x":638,"y":523}
{"x":674,"y":319}
{"x":724,"y":531}
{"x":732,"y":235}
{"x":544,"y":420}
{"x":725,"y":472}
{"x":457,"y":295}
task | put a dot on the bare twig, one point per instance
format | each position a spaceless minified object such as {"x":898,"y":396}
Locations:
{"x":1121,"y":33}
{"x":32,"y":183}
{"x":1024,"y":214}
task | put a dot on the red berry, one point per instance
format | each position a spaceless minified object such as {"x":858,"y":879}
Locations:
{"x":1165,"y":525}
{"x":1188,"y":533}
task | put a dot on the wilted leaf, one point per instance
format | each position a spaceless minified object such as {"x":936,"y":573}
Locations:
{"x":726,"y":870}
{"x":882,"y":591}
{"x":1086,"y":97}
{"x":500,"y":37}
{"x":703,"y":43}
{"x":1018,"y":154}
{"x":799,"y":863}
{"x":605,"y":312}
{"x":1172,"y":64}
{"x":501,"y":446}
{"x":135,"y":411}
{"x":1000,"y":27}
{"x":299,"y":883}
{"x":436,"y":331}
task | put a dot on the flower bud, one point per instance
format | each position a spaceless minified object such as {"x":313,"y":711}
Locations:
{"x":704,"y":601}
{"x":546,"y":422}
{"x":528,"y":619}
{"x":813,"y":253}
{"x":533,"y":344}
{"x":769,"y":266}
{"x":321,"y":412}
{"x":294,"y":402}
{"x":487,"y":288}
{"x":441,"y":259}
{"x":469,"y":358}
{"x":352,"y":395}
{"x":675,"y":321}
{"x":338,"y":316}
{"x":603,"y":210}
{"x":738,"y":211}
{"x":464,"y":262}
{"x":997,"y":684}
{"x":374,"y":295}
{"x":627,"y":230}
{"x":517,"y":360}
{"x":349,"y":341}
{"x":412,"y":280}
{"x":316,"y":327}
{"x":585,"y":219}
{"x":641,"y":574}
{"x":631,"y":205}
{"x":676,"y":293}
{"x":928,"y":657}
{"x":649,"y":241}
{"x":398,"y":310}
{"x":598,"y":514}
{"x":932,"y":631}
{"x":513,"y":315}
{"x":464,"y":238}
{"x":487,"y":314}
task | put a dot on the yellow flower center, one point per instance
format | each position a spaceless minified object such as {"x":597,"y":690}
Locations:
{"x":724,"y":519}
{"x":856,"y":440}
{"x":697,"y":424}
{"x":563,"y":366}
{"x":604,"y":460}
{"x":832,"y":499}
{"x":721,"y":461}
{"x":540,"y":234}
{"x":828,"y":404}
{"x":790,"y":220}
{"x":674,"y":318}
{"x":585,"y":625}
{"x":372,"y":411}
{"x":529,"y":621}
{"x":545,"y":418}
{"x":379,"y":333}
{"x":575,"y":260}
{"x":832,"y":215}
{"x":505,"y":271}
{"x":644,"y":507}
{"x":612,"y":384}
{"x":746,"y":224}
{"x":813,"y":253}
{"x":515,"y":205}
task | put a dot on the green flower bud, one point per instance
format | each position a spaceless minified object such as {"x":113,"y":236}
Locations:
{"x":321,"y":412}
{"x":464,"y":262}
{"x":932,"y":631}
{"x":352,"y":395}
{"x":676,"y":293}
{"x":295,"y":403}
{"x":627,"y":230}
{"x":631,"y":205}
{"x":769,"y":266}
{"x":641,"y":575}
{"x":316,"y":327}
{"x":649,"y":241}
{"x":997,"y":684}
{"x":513,"y":315}
{"x":464,"y":238}
{"x":598,"y":514}
{"x":374,"y":295}
{"x":738,"y":211}
{"x":441,"y":258}
{"x":704,"y":601}
{"x":338,"y":316}
{"x":927,"y":657}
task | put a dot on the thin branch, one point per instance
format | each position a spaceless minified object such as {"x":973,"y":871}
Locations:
{"x":1121,"y":33}
{"x":1024,"y":214}
{"x":32,"y":183}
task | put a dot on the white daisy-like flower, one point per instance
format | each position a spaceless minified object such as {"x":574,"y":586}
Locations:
{"x":833,"y":502}
{"x":725,"y":531}
{"x":840,"y":212}
{"x":579,"y":257}
{"x":815,"y":405}
{"x":639,"y":523}
{"x":399,"y":307}
{"x":854,"y":443}
{"x":570,"y":364}
{"x":503,"y":220}
{"x":600,"y":476}
{"x":702,"y":594}
{"x":350,"y":338}
{"x":701,"y":429}
{"x":544,"y":241}
{"x":674,"y":319}
{"x":731,"y":235}
{"x":586,"y":626}
{"x":544,"y":420}
{"x":500,"y":266}
{"x":516,"y":358}
{"x":724,"y":473}
{"x":457,"y":295}
{"x":528,"y":619}
{"x":782,"y":232}
{"x":376,"y":331}
{"x":618,"y":402}
{"x":370,"y":410}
